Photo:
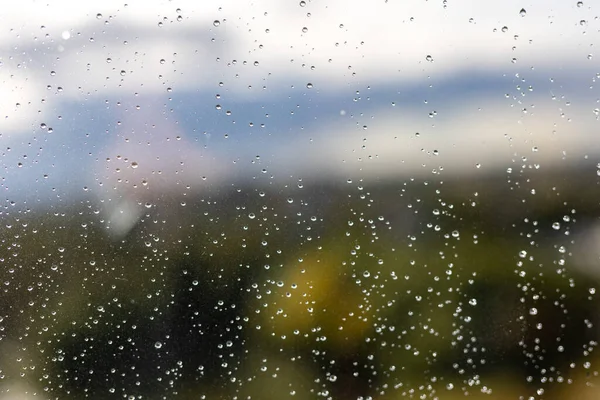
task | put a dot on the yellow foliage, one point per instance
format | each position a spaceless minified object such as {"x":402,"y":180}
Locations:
{"x":318,"y":299}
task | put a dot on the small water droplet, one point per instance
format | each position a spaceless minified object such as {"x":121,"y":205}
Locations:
{"x":216,"y":22}
{"x":523,"y":12}
{"x":533,"y":311}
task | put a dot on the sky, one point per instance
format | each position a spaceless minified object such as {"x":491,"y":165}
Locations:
{"x":99,"y":98}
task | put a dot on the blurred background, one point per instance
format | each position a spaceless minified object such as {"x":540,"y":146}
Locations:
{"x":307,"y":199}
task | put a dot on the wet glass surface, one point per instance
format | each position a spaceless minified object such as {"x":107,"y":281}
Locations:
{"x":316,"y":199}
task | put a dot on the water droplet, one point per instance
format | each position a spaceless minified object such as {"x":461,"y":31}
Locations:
{"x":522,"y":254}
{"x":216,"y":22}
{"x":158,"y":345}
{"x":304,"y":30}
{"x":309,"y":85}
{"x":429,"y":58}
{"x":523,"y":12}
{"x":533,"y":311}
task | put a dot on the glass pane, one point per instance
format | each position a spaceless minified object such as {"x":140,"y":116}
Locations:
{"x":308,"y":199}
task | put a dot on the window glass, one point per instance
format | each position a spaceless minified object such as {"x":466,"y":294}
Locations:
{"x":304,"y":199}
